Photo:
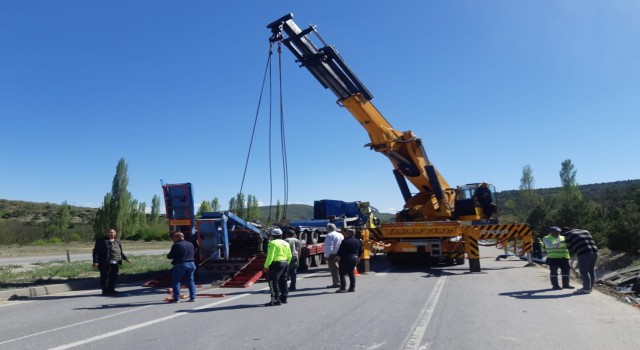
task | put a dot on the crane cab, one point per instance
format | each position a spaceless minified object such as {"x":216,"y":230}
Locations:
{"x":468,"y":206}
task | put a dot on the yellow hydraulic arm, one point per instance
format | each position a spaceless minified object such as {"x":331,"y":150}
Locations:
{"x":435,"y":198}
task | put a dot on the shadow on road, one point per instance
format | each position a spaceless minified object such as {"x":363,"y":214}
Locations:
{"x":532,"y":294}
{"x":119,"y":306}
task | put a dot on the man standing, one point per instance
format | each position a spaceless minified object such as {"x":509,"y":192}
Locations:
{"x":582,"y":244}
{"x":107,"y":257}
{"x":276,"y":265}
{"x":348,"y":254}
{"x":183,"y":254}
{"x":296,"y":247}
{"x":331,"y":245}
{"x":484,"y":198}
{"x":557,"y":258}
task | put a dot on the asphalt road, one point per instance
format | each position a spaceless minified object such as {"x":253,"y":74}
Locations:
{"x":506,"y":306}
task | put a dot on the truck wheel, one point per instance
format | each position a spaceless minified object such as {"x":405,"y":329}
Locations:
{"x":316,"y":260}
{"x":303,"y":237}
{"x":460,"y":261}
{"x":303,"y":264}
{"x":314,"y":236}
{"x":448,"y":261}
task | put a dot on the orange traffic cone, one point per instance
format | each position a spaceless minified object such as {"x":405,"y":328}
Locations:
{"x":355,"y":271}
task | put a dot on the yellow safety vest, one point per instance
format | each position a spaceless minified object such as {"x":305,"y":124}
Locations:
{"x":555,"y":247}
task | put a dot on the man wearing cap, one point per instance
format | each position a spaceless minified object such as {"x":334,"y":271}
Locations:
{"x":582,"y":244}
{"x":331,"y":245}
{"x":276,"y":265}
{"x":557,"y":258}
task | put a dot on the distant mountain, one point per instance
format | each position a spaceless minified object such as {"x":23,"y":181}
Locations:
{"x":599,"y":193}
{"x":43,"y":212}
{"x":303,"y":211}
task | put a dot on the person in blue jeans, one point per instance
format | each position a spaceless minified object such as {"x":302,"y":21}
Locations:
{"x":183,"y":255}
{"x":581,"y":243}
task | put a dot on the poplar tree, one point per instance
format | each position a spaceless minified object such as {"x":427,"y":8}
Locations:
{"x":240,"y":210}
{"x":115,"y":211}
{"x":155,"y":209}
{"x":278,"y":211}
{"x":64,"y":216}
{"x":253,"y":210}
{"x":215,"y":204}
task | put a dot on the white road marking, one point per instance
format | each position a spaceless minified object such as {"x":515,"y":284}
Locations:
{"x":73,"y":325}
{"x":414,"y":339}
{"x":376,"y":346}
{"x":152,"y":322}
{"x":141,"y":325}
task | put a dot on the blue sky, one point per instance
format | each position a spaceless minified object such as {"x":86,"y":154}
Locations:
{"x":172,"y":87}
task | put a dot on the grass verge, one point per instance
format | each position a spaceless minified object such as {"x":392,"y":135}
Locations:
{"x":21,"y":276}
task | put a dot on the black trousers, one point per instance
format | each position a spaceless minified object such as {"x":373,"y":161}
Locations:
{"x":346,"y":268}
{"x":278,"y":274}
{"x":565,"y":268}
{"x":108,"y":276}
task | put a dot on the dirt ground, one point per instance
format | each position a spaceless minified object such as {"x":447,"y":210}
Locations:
{"x":609,"y":262}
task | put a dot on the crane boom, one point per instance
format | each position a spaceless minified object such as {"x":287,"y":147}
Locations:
{"x":435,"y":198}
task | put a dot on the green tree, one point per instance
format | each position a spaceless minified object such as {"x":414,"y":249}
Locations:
{"x":64,"y":216}
{"x":232,"y":205}
{"x":215,"y":204}
{"x":572,"y":209}
{"x":240,"y":210}
{"x":529,"y":199}
{"x":116,"y":210}
{"x":155,"y":209}
{"x":527,"y":180}
{"x":278,"y":211}
{"x":568,"y":174}
{"x":205,"y":206}
{"x":102,"y":221}
{"x":253,"y":209}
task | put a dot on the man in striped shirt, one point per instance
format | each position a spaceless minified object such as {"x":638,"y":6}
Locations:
{"x":581,"y":243}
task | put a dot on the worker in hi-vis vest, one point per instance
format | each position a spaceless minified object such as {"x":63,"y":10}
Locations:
{"x":557,"y":258}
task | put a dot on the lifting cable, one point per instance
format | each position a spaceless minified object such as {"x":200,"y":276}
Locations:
{"x":282,"y":133}
{"x":283,"y":144}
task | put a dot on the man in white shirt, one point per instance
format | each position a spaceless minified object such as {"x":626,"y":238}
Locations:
{"x":331,"y":245}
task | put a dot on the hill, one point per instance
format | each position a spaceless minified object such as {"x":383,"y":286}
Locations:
{"x":599,"y":193}
{"x":31,"y":212}
{"x":36,"y":213}
{"x":303,"y":211}
{"x":43,"y":212}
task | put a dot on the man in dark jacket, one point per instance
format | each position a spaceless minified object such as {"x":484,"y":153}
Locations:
{"x":183,"y":255}
{"x":483,"y":196}
{"x":581,"y":243}
{"x":348,"y":254}
{"x":107,"y":257}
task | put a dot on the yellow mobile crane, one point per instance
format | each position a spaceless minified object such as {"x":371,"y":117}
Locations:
{"x":439,"y":223}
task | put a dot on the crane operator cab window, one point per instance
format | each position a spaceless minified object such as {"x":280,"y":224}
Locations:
{"x":475,"y":201}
